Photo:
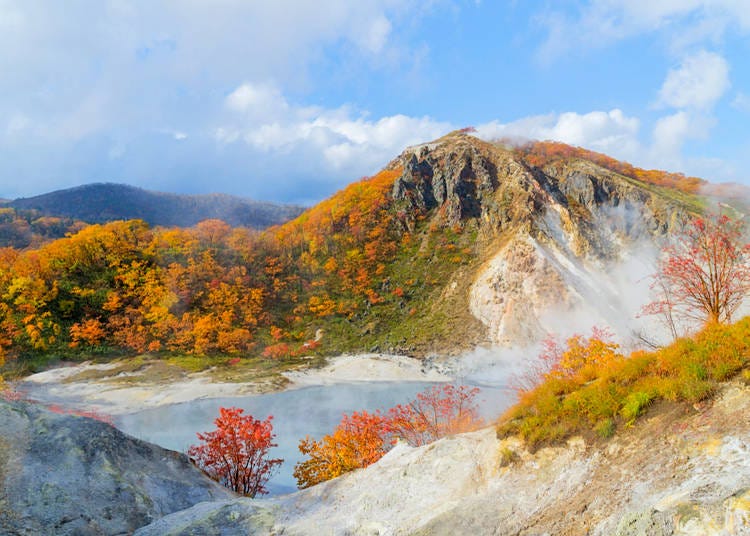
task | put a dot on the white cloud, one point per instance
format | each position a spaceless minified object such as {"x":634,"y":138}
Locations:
{"x":375,"y":36}
{"x":686,"y":23}
{"x":670,"y":133}
{"x":741,"y":102}
{"x":76,"y":79}
{"x":344,"y":139}
{"x":699,"y":81}
{"x":610,"y":132}
{"x":669,"y":136}
{"x":258,"y":100}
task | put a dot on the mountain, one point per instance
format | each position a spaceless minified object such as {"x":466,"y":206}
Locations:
{"x":103,"y":202}
{"x":455,"y":243}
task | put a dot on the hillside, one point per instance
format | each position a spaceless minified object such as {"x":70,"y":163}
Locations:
{"x":100,"y":203}
{"x":454,"y":232}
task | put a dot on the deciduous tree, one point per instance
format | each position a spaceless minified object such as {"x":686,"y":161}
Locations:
{"x":358,"y":441}
{"x":363,"y":438}
{"x":705,"y":275}
{"x":436,"y":412}
{"x":236,"y":453}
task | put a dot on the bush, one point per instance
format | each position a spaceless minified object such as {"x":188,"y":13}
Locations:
{"x":634,"y":405}
{"x":599,"y":394}
{"x":235,"y":454}
{"x":363,"y":438}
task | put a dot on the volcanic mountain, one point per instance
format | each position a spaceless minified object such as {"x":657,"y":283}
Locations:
{"x":455,"y":243}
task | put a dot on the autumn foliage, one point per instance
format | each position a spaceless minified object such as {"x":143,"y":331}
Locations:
{"x":210,"y":289}
{"x":362,"y":438}
{"x":542,"y":153}
{"x":605,"y":390}
{"x":578,"y":355}
{"x":436,"y":412}
{"x":236,"y":453}
{"x":704,"y":275}
{"x":358,"y":441}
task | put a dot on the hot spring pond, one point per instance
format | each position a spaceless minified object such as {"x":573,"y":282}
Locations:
{"x":313,"y":411}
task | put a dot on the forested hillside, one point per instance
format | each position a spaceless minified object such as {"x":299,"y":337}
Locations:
{"x":105,"y":202}
{"x":385,"y":264}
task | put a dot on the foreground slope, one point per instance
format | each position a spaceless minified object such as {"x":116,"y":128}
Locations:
{"x":69,"y":475}
{"x":679,"y":472}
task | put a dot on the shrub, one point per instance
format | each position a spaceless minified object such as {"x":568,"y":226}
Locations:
{"x":508,"y":456}
{"x":599,"y":394}
{"x":363,"y":438}
{"x":357,"y":442}
{"x":236,"y":453}
{"x":605,"y":428}
{"x":634,"y":405}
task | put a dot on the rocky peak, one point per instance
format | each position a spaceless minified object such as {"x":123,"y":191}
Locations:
{"x":469,"y":179}
{"x":547,"y":233}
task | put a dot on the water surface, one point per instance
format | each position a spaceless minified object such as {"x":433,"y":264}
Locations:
{"x":313,"y":411}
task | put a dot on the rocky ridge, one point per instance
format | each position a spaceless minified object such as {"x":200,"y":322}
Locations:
{"x":70,"y":475}
{"x":549,"y":236}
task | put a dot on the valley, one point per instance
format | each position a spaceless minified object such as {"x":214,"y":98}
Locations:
{"x":457,"y":263}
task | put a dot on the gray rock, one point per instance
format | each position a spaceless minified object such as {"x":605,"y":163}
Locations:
{"x":70,"y":475}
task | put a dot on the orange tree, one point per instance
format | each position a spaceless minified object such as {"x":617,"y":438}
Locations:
{"x":358,"y":441}
{"x":705,"y":275}
{"x":363,"y":438}
{"x":236,"y":453}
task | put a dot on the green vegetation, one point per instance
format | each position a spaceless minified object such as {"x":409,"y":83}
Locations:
{"x":600,"y":397}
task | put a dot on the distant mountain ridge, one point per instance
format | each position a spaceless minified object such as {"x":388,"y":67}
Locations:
{"x":103,"y":202}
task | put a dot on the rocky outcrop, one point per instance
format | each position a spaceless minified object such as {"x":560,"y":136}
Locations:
{"x":675,"y":473}
{"x":69,"y":475}
{"x":550,"y":237}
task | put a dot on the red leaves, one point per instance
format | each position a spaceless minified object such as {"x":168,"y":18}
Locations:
{"x":235,"y":454}
{"x":363,"y":438}
{"x":705,"y":275}
{"x":435,"y":413}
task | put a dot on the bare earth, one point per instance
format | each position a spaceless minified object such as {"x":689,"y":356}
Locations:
{"x":111,"y":394}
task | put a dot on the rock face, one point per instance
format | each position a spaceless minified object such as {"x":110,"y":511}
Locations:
{"x":69,"y":475}
{"x":549,"y":236}
{"x":672,"y":474}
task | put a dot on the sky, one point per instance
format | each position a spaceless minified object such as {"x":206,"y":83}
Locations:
{"x":290,"y":100}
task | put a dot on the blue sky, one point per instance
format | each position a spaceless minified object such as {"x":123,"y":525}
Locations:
{"x":290,"y":100}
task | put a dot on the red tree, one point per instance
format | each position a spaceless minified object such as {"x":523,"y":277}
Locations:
{"x":436,"y":412}
{"x":235,"y":454}
{"x":705,"y":275}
